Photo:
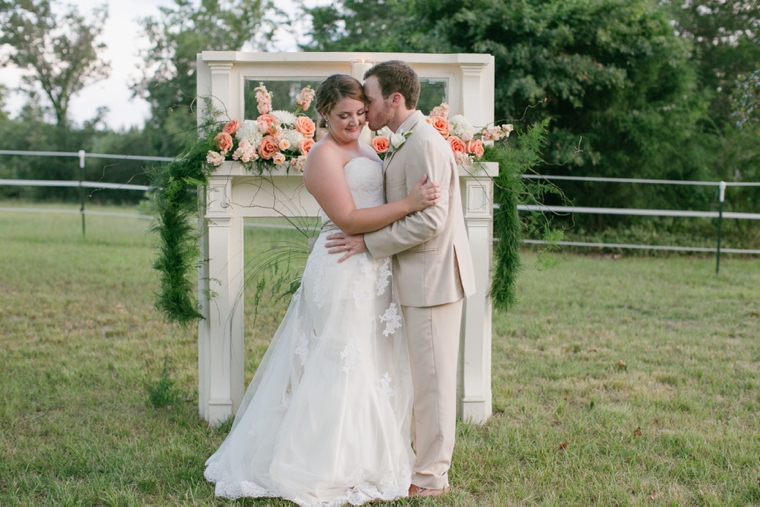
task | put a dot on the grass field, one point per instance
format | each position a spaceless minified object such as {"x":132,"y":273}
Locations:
{"x":616,"y":382}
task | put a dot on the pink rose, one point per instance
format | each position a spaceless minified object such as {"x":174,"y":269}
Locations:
{"x":457,"y":145}
{"x":475,"y":148}
{"x":278,"y":158}
{"x":305,"y":126}
{"x":305,"y":146}
{"x":265,"y":122}
{"x":441,"y":124}
{"x":284,"y":144}
{"x":223,"y":142}
{"x":267,"y":148}
{"x":381,"y":144}
{"x":231,"y":127}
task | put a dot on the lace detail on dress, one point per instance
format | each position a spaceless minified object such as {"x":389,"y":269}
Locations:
{"x":320,"y":290}
{"x":365,"y":179}
{"x":227,"y":487}
{"x":392,"y":319}
{"x":351,"y":356}
{"x":386,"y":391}
{"x":384,"y":271}
{"x":303,"y":349}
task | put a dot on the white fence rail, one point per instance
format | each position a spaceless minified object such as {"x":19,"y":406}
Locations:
{"x":82,"y":155}
{"x":637,"y":212}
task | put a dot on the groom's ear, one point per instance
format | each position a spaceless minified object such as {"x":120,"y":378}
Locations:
{"x":397,"y":100}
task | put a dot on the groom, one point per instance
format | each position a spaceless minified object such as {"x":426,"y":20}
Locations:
{"x":432,"y":266}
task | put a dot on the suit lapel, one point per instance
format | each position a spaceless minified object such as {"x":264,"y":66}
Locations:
{"x":413,"y":121}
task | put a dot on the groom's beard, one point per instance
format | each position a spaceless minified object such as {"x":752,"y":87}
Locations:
{"x":381,"y":119}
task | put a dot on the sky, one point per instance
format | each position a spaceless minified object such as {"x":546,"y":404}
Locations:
{"x":122,"y":36}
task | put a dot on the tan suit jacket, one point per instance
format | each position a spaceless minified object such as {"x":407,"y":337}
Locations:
{"x":432,"y":263}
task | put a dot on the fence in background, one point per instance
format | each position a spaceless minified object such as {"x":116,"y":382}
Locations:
{"x":720,"y":215}
{"x":81,"y":155}
{"x":722,"y":185}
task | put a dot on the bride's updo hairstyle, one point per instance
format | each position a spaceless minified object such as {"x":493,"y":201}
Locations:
{"x":333,"y":89}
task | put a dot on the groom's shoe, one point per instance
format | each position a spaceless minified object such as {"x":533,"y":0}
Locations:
{"x":418,"y":491}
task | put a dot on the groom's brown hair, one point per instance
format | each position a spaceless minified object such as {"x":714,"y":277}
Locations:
{"x":397,"y":76}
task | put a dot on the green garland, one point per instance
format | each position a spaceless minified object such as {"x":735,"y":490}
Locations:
{"x":175,"y":195}
{"x":175,"y":187}
{"x":510,"y":189}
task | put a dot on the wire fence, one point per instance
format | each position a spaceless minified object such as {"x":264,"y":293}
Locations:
{"x":720,"y":214}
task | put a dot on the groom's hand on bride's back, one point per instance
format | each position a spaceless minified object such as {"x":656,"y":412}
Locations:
{"x":349,"y":245}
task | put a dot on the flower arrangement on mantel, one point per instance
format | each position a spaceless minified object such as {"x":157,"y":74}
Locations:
{"x":274,"y":139}
{"x":281,"y":139}
{"x":465,"y":140}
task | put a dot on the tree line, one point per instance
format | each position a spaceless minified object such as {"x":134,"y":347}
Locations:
{"x":631,"y":88}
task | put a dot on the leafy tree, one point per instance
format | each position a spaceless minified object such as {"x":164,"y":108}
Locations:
{"x":60,"y":51}
{"x":611,"y":75}
{"x":726,"y":42}
{"x":168,"y":82}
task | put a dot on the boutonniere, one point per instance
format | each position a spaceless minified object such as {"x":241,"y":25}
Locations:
{"x":386,"y":141}
{"x":397,"y":140}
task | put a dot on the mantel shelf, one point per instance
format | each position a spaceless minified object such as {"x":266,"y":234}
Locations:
{"x":233,"y":169}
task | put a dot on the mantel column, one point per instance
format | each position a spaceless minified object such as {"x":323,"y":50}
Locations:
{"x":471,"y":96}
{"x":475,"y":348}
{"x":220,"y":347}
{"x":221,"y":88}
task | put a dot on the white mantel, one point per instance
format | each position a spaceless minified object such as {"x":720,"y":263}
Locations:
{"x":234,"y":194}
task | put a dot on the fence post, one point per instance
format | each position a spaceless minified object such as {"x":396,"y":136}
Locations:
{"x":81,"y":188}
{"x":720,"y":223}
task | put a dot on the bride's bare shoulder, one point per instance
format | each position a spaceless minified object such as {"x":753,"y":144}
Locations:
{"x":325,"y":160}
{"x":324,"y":155}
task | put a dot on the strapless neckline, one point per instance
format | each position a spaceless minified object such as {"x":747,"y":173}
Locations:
{"x":360,"y":158}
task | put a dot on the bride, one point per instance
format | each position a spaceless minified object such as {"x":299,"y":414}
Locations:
{"x":326,"y":419}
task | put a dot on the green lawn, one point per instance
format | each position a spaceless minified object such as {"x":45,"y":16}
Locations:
{"x":629,"y":381}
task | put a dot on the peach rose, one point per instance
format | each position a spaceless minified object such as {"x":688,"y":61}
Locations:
{"x":265,"y":122}
{"x":476,"y":148}
{"x":223,"y":141}
{"x":381,"y":144}
{"x":267,"y":148}
{"x":441,"y":124}
{"x":457,"y":145}
{"x":284,"y":144}
{"x":231,"y":127}
{"x":305,"y":146}
{"x":305,"y":126}
{"x":278,"y":158}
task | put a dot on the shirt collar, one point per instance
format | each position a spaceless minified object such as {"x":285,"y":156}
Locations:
{"x":401,"y":127}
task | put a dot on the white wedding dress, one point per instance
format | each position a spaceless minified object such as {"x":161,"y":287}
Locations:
{"x":326,"y":419}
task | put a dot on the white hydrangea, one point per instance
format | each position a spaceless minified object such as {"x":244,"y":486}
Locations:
{"x":293,"y":136}
{"x":284,"y":117}
{"x":460,"y":125}
{"x":249,"y":131}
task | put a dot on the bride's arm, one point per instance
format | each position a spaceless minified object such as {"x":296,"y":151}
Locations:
{"x":325,"y":180}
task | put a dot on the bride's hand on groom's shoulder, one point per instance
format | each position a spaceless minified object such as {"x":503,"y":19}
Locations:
{"x":348,"y":245}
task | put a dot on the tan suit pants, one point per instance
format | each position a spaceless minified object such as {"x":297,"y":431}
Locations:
{"x":433,"y":338}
